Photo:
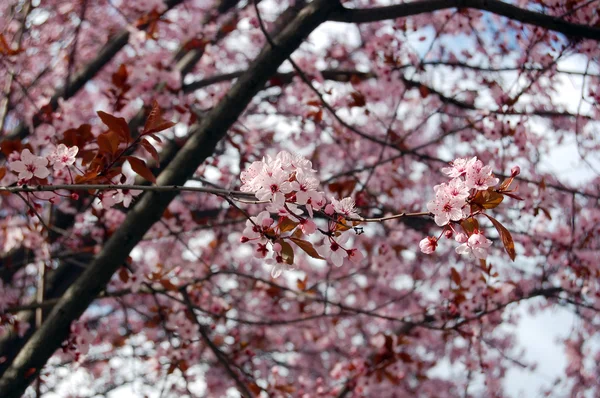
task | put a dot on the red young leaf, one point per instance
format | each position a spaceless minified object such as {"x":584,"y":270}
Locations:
{"x":287,"y":252}
{"x":507,"y":240}
{"x":116,"y":124}
{"x":151,"y":150}
{"x":286,"y":225}
{"x":155,"y":123}
{"x":307,"y":247}
{"x":455,"y":276}
{"x":108,"y":143}
{"x":140,"y":167}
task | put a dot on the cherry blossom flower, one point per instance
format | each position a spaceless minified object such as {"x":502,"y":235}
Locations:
{"x":480,"y":177}
{"x":257,"y":226}
{"x":332,"y":249}
{"x":278,"y":262}
{"x":345,"y":207}
{"x":63,"y":156}
{"x":458,"y":167}
{"x":475,"y":245}
{"x":276,"y":181}
{"x":428,"y":245}
{"x":30,"y":166}
{"x":446,"y":208}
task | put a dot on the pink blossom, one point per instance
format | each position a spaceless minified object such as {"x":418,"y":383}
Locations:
{"x":332,"y":249}
{"x":446,"y":208}
{"x":458,"y":167}
{"x":475,"y":245}
{"x":257,"y":226}
{"x":63,"y":156}
{"x":30,"y":166}
{"x":480,"y":177}
{"x":345,"y":207}
{"x":428,"y":245}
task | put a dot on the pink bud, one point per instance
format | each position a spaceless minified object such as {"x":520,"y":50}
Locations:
{"x":515,"y":171}
{"x":461,"y":238}
{"x":428,"y":245}
{"x":74,"y":196}
{"x":329,"y":210}
{"x":448,"y":233}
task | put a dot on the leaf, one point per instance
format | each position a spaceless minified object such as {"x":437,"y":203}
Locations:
{"x":358,"y":100}
{"x":343,"y":188}
{"x":506,"y":184}
{"x":119,"y":78}
{"x":155,"y":123}
{"x":286,"y":225}
{"x":287,"y":252}
{"x":2,"y":172}
{"x":488,"y":199}
{"x":307,"y":247}
{"x":470,"y":225}
{"x":455,"y":276}
{"x":116,"y":124}
{"x":507,"y":240}
{"x":140,"y":167}
{"x":109,"y":142}
{"x":151,"y":150}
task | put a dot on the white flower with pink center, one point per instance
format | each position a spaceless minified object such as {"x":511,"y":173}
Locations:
{"x":475,"y":245}
{"x":30,"y":166}
{"x":276,"y":181}
{"x":344,"y":207}
{"x":257,"y":226}
{"x":446,"y":208}
{"x":458,"y":167}
{"x":480,"y":177}
{"x":63,"y":156}
{"x":428,"y":245}
{"x":332,"y":249}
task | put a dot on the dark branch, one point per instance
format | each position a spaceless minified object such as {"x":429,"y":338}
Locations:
{"x":494,"y":6}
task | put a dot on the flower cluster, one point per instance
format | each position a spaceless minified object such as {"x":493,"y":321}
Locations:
{"x":29,"y":166}
{"x":33,"y":169}
{"x":466,"y":195}
{"x":290,"y":186}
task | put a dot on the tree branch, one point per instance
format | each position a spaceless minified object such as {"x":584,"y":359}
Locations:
{"x":494,"y":6}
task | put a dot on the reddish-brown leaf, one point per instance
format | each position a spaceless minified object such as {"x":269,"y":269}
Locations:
{"x":507,"y":240}
{"x":109,"y":143}
{"x":2,"y":172}
{"x":140,"y":167}
{"x":10,"y":146}
{"x":287,"y":252}
{"x":155,"y":123}
{"x":119,"y":78}
{"x":151,"y":150}
{"x":488,"y":199}
{"x":470,"y":225}
{"x":116,"y":124}
{"x":358,"y":100}
{"x":307,"y":247}
{"x":286,"y":225}
{"x":455,"y":276}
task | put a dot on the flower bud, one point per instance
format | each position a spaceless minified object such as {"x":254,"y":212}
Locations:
{"x":515,"y":171}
